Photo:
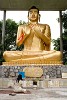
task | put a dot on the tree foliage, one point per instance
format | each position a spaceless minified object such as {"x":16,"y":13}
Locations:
{"x":56,"y":44}
{"x":10,"y":34}
{"x":64,"y":38}
{"x":10,"y":37}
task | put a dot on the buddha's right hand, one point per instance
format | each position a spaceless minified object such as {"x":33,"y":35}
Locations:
{"x":27,"y":31}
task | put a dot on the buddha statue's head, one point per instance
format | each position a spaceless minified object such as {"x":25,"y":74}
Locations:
{"x":33,"y":14}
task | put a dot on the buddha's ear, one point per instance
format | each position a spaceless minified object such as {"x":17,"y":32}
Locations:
{"x":28,"y":18}
{"x":39,"y":17}
{"x":28,"y":15}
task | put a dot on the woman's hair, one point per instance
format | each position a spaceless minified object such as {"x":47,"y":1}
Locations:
{"x":19,"y":78}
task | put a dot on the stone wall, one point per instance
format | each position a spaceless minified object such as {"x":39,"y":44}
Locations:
{"x":49,"y":71}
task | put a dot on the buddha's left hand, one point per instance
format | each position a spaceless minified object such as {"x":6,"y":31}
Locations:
{"x":38,"y":32}
{"x":37,"y":29}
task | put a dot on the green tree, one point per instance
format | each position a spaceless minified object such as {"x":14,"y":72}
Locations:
{"x":64,"y":35}
{"x":10,"y":34}
{"x":56,"y":44}
{"x":10,"y":37}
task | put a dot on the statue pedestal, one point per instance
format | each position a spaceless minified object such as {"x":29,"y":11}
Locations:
{"x":51,"y":71}
{"x":52,"y":75}
{"x":28,"y":83}
{"x":21,"y":63}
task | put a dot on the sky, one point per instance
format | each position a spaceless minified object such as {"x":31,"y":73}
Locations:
{"x":47,"y":17}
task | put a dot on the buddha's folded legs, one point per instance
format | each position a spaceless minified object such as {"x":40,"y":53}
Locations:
{"x":32,"y":57}
{"x":12,"y":55}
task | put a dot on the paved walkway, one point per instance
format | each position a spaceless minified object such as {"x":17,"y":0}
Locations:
{"x":39,"y":94}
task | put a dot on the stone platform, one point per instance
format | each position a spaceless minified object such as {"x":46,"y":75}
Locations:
{"x":45,"y":83}
{"x":53,"y":75}
{"x":49,"y":71}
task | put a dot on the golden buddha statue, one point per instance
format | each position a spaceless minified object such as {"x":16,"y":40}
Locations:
{"x":36,"y":38}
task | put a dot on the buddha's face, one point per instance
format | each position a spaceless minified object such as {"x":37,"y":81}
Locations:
{"x":33,"y":15}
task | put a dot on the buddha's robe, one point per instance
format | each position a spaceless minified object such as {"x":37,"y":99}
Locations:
{"x":36,"y":40}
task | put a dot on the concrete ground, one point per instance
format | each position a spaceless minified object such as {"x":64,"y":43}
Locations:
{"x":39,"y":94}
